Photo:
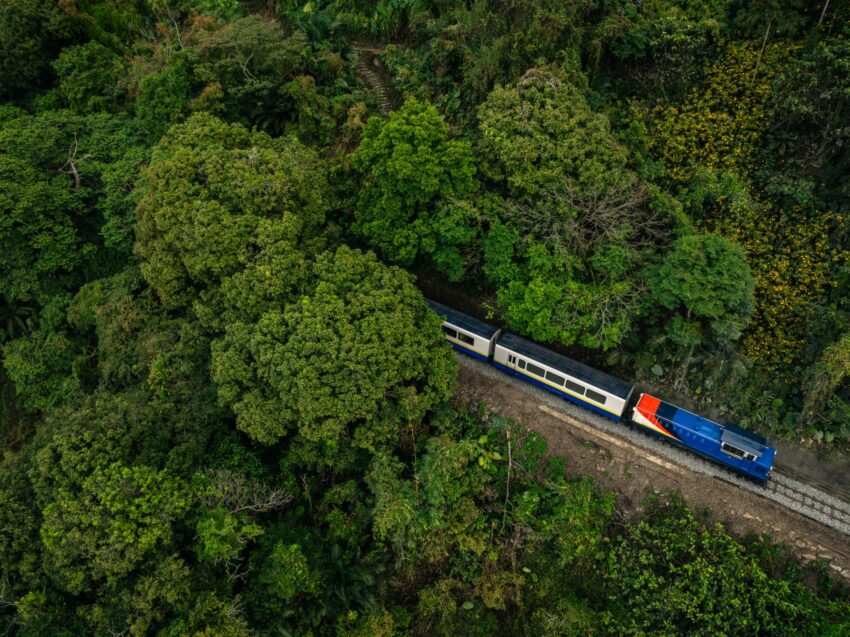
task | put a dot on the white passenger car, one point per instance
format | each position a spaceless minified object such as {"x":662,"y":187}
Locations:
{"x":465,"y":333}
{"x":562,"y":375}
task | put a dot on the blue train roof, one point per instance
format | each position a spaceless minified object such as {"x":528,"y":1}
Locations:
{"x":747,"y":434}
{"x":580,"y":371}
{"x":464,"y":321}
{"x":745,"y":442}
{"x":670,"y":413}
{"x":730,"y":434}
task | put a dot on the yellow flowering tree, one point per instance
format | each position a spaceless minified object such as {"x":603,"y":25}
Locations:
{"x":719,"y":125}
{"x":711,"y":147}
{"x":793,"y":261}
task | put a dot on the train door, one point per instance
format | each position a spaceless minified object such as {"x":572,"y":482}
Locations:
{"x":512,"y":361}
{"x":491,"y":350}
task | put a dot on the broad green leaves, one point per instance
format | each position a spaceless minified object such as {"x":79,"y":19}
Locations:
{"x":249,"y":70}
{"x":705,"y":278}
{"x":65,"y":179}
{"x":212,"y":196}
{"x":564,"y":248}
{"x":414,"y":177}
{"x":286,"y":573}
{"x":32,"y":33}
{"x":360,"y":350}
{"x":38,"y":236}
{"x":542,"y":130}
{"x":92,"y":78}
{"x":102,"y":532}
{"x":673,"y":574}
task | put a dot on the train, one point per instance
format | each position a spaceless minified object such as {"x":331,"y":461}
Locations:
{"x":742,"y":451}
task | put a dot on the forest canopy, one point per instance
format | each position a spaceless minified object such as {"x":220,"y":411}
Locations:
{"x":225,"y":407}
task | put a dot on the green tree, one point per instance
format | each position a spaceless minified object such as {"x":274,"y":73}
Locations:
{"x":43,"y":364}
{"x":117,"y":23}
{"x":248,"y":71}
{"x":132,"y":342}
{"x":707,"y":278}
{"x":706,"y":283}
{"x":151,"y":409}
{"x":33,"y":32}
{"x":495,"y":523}
{"x":660,"y":47}
{"x":38,"y":236}
{"x":164,"y":97}
{"x":231,"y":502}
{"x":101,"y":533}
{"x":286,"y":580}
{"x":348,"y":365}
{"x":19,"y":522}
{"x":413,"y":178}
{"x":213,"y":195}
{"x":565,"y":250}
{"x":826,"y":400}
{"x":113,"y":334}
{"x":551,"y":299}
{"x":243,"y":68}
{"x":457,"y":51}
{"x":286,"y":573}
{"x":91,"y":78}
{"x":65,"y":200}
{"x":802,"y":155}
{"x":541,"y":130}
{"x":224,"y":10}
{"x":711,"y":583}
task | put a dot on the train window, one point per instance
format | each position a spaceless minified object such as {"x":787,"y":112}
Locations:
{"x":595,"y":395}
{"x":449,"y":331}
{"x":534,"y":369}
{"x":575,"y":387}
{"x":554,"y":378}
{"x":732,"y":451}
{"x":463,"y":338}
{"x":521,"y":364}
{"x":749,"y":456}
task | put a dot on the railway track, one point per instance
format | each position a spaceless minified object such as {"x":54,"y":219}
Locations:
{"x":792,"y":494}
{"x":797,"y":496}
{"x":810,"y":501}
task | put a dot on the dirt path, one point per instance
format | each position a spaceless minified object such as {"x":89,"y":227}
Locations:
{"x":369,"y":66}
{"x":374,"y":75}
{"x":633,"y":473}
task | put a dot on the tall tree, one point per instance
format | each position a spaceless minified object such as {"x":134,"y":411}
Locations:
{"x":707,"y":285}
{"x":92,"y":78}
{"x":413,"y":177}
{"x":100,"y":533}
{"x":33,"y":32}
{"x":65,"y":202}
{"x":565,"y":250}
{"x":213,"y":195}
{"x":351,"y":364}
{"x":249,"y":71}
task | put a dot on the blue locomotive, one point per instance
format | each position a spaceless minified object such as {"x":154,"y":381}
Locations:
{"x":607,"y":395}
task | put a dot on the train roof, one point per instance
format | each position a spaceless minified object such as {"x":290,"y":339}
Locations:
{"x":730,"y":434}
{"x":464,"y":321}
{"x":747,"y":434}
{"x":580,"y":371}
{"x":744,"y":440}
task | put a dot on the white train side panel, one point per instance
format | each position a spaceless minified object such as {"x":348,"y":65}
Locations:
{"x":573,"y":388}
